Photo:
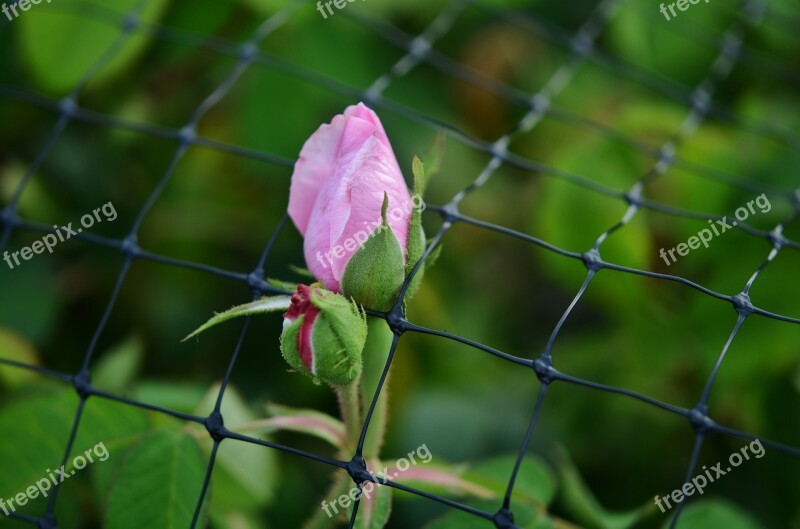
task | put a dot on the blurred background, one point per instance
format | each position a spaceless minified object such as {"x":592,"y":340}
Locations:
{"x":596,"y":459}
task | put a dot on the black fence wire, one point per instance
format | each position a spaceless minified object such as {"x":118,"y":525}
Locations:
{"x":419,"y":49}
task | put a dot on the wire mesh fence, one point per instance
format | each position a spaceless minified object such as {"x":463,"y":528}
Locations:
{"x":580,"y":48}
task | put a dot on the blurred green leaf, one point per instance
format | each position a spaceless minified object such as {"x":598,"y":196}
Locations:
{"x":580,"y":502}
{"x":118,"y":367}
{"x":446,"y":480}
{"x":244,"y":474}
{"x":535,"y":484}
{"x":327,"y":519}
{"x":31,"y":316}
{"x":524,"y":517}
{"x":708,"y":514}
{"x":15,"y":347}
{"x":41,"y":419}
{"x":573,"y":217}
{"x":36,"y":427}
{"x":642,"y":35}
{"x":264,"y":7}
{"x":236,"y":520}
{"x":176,"y":395}
{"x":159,"y":484}
{"x":61,"y":47}
{"x":310,"y":422}
{"x":533,"y":490}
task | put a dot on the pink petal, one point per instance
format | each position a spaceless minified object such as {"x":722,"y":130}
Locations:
{"x":338,"y":188}
{"x":357,"y":207}
{"x":317,"y":161}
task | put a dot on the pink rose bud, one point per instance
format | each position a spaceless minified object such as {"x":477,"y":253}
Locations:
{"x":345,"y":171}
{"x":324,"y":335}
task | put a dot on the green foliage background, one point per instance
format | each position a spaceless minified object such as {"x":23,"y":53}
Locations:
{"x":589,"y":449}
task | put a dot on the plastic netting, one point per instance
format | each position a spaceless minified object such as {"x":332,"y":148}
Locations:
{"x":418,"y":49}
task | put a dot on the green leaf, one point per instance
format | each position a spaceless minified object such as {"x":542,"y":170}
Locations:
{"x":535,"y":484}
{"x":715,"y":513}
{"x":375,"y":272}
{"x":375,"y":508}
{"x":309,"y":422}
{"x":524,"y":517}
{"x":15,"y":347}
{"x":236,"y":519}
{"x":269,"y":304}
{"x":264,"y":7}
{"x":244,"y":473}
{"x":60,"y":46}
{"x":39,"y":422}
{"x":103,"y":476}
{"x":176,"y":395}
{"x":342,"y":484}
{"x":642,"y":35}
{"x":38,"y":426}
{"x":111,"y":422}
{"x":118,"y":426}
{"x":572,"y":217}
{"x":445,"y":480}
{"x":580,"y":502}
{"x":159,"y":483}
{"x":488,"y":480}
{"x":119,"y":366}
{"x":32,"y":316}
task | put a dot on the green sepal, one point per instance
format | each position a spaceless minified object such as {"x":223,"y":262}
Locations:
{"x":299,"y":270}
{"x":420,"y":181}
{"x":282,"y":285}
{"x":416,"y":235}
{"x":337,"y":340}
{"x":339,"y":335}
{"x":375,"y":272}
{"x":424,"y":169}
{"x":433,"y":257}
{"x":416,"y":247}
{"x":263,"y":305}
{"x":289,"y":350}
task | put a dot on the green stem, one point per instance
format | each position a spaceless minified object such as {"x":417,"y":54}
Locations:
{"x":376,"y":352}
{"x":350,"y":405}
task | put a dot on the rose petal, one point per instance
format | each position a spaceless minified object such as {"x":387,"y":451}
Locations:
{"x":337,"y":191}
